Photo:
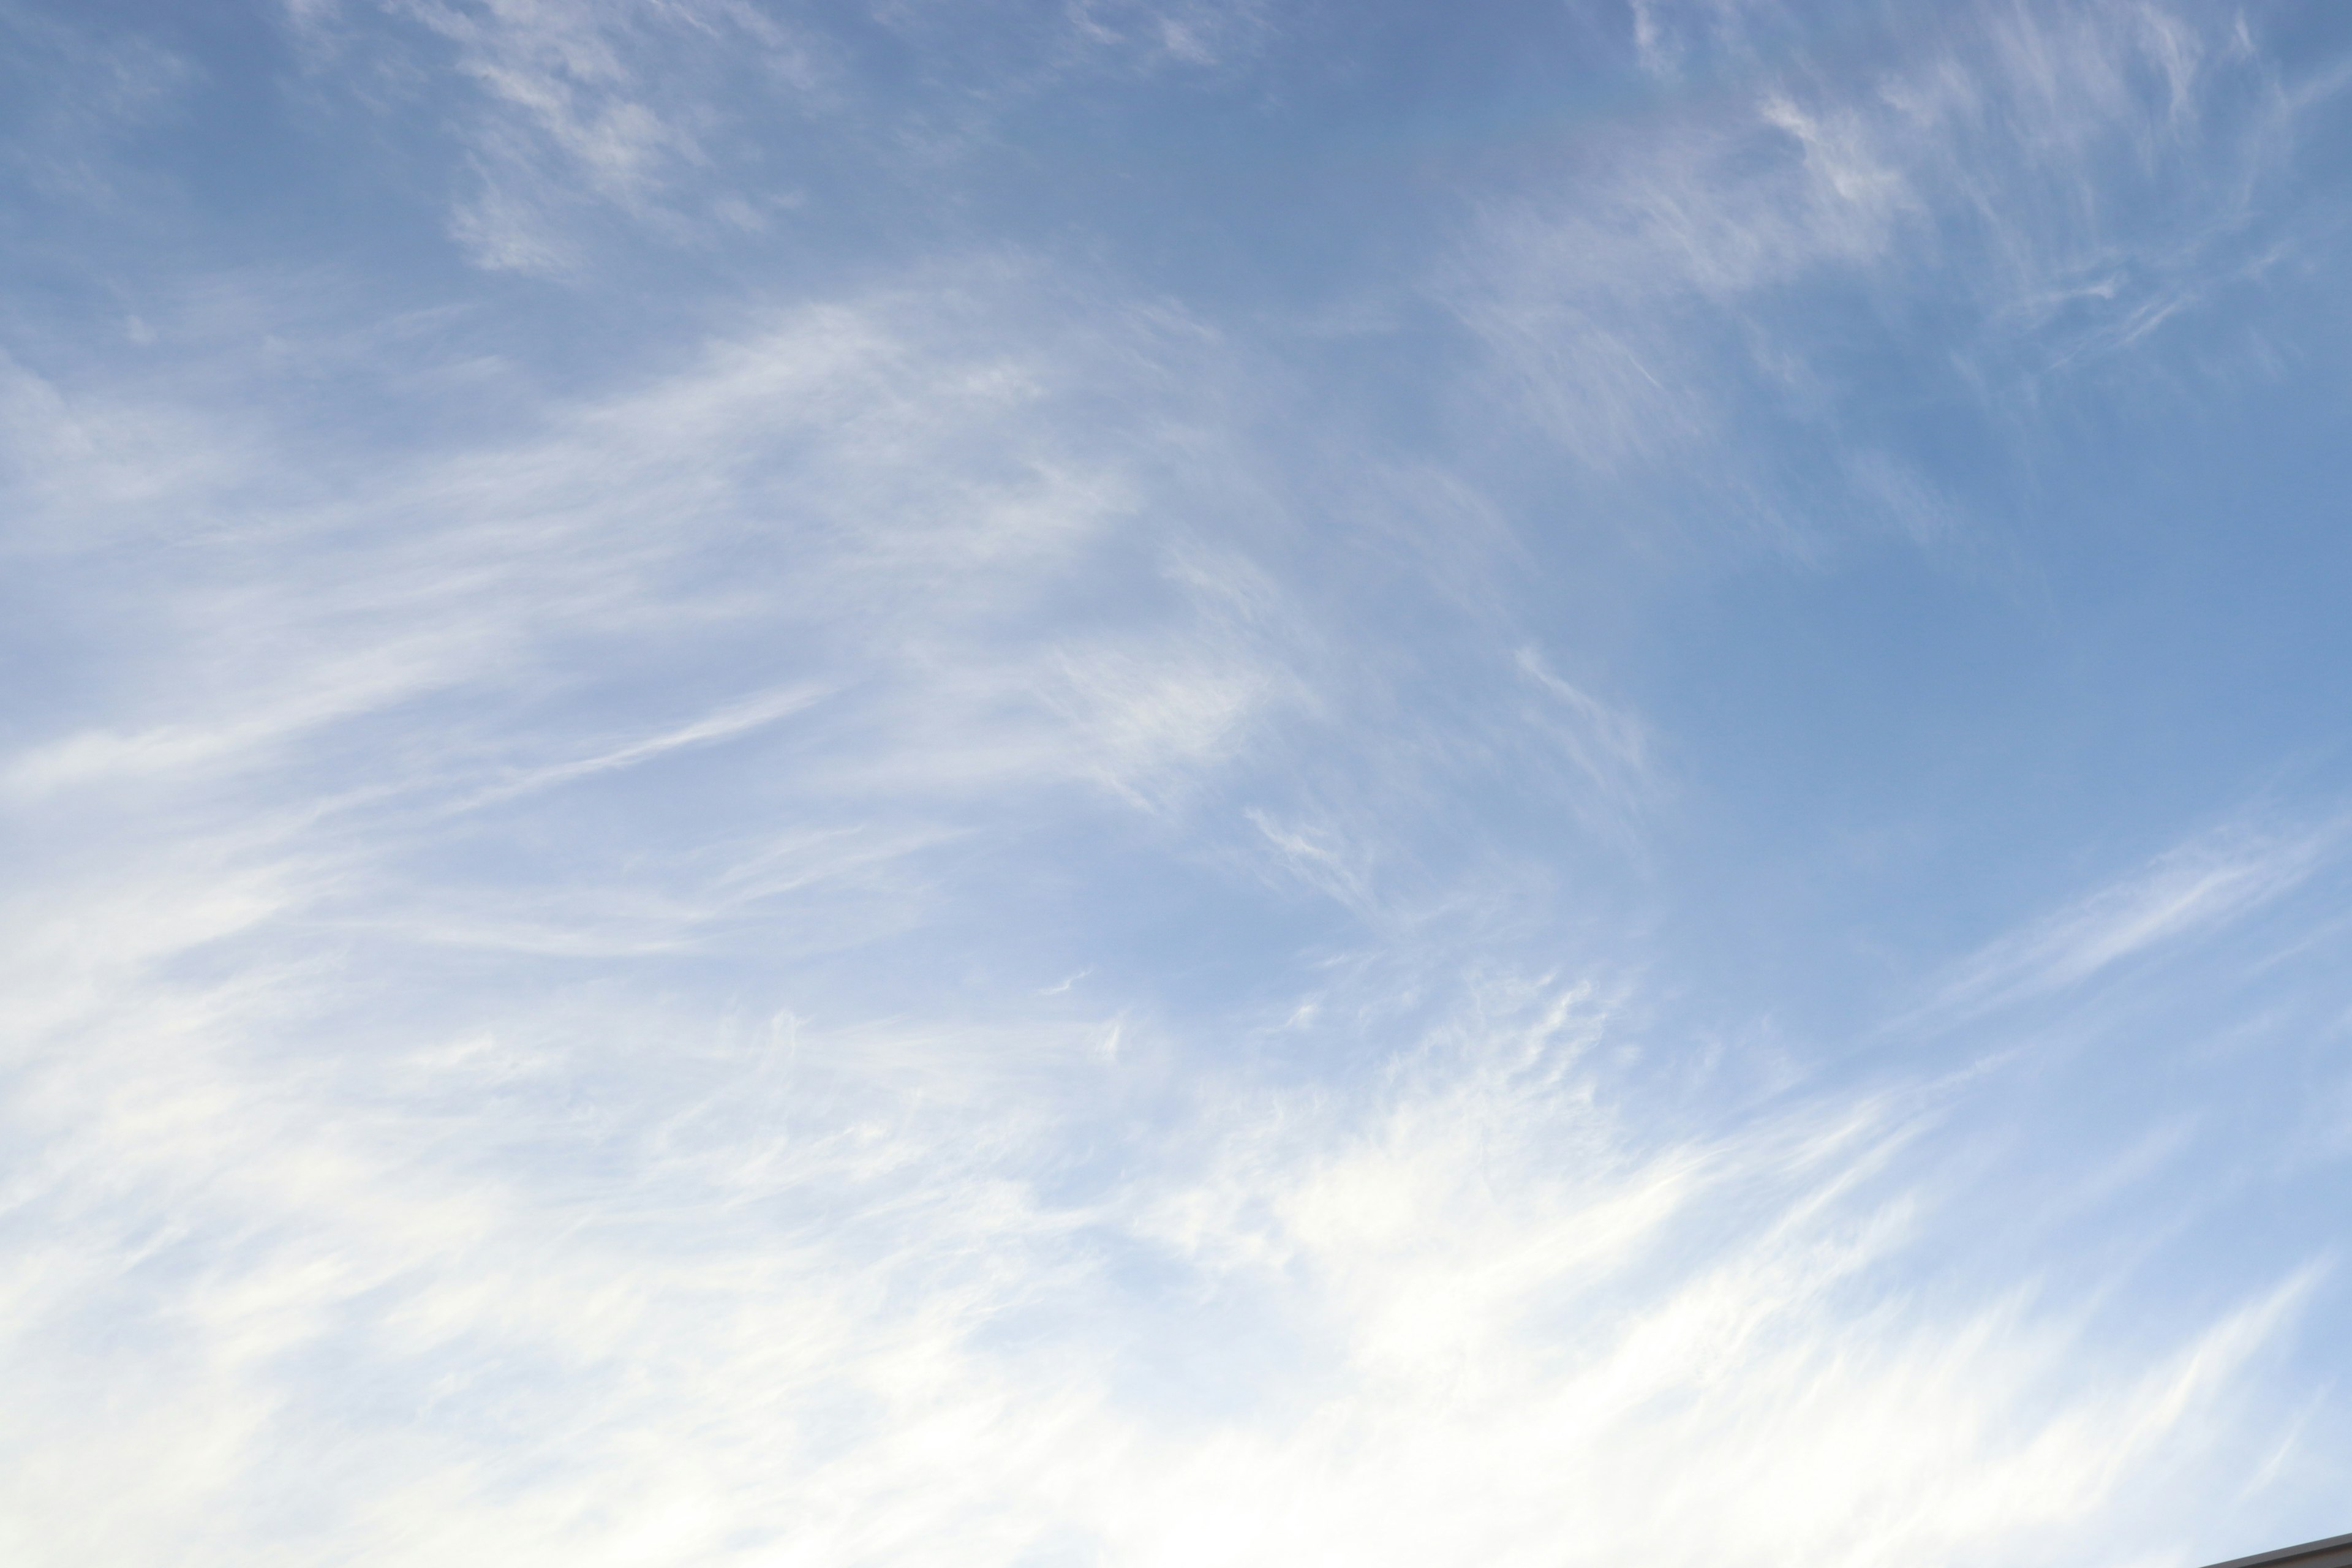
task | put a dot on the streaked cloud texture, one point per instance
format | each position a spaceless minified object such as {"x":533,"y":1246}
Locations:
{"x":1225,"y":783}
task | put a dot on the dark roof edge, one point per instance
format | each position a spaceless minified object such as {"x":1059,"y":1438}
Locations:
{"x":2335,"y":1552}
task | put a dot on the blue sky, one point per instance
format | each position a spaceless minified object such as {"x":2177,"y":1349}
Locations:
{"x":871,"y":783}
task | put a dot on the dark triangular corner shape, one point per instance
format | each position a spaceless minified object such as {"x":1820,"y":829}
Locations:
{"x":2335,"y":1552}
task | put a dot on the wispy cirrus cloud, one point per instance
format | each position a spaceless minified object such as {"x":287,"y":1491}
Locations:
{"x":804,"y":1304}
{"x":650,"y":110}
{"x":1729,"y":281}
{"x":1609,"y":746}
{"x":707,"y":120}
{"x":960,"y":915}
{"x":2192,"y":889}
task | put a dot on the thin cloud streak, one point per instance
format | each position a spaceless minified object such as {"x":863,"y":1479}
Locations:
{"x":728,"y":724}
{"x":2190,"y":889}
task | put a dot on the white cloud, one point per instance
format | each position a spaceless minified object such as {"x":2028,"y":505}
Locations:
{"x":567,"y":108}
{"x":1609,"y":745}
{"x":695,"y":121}
{"x":351,"y":1214}
{"x":737,"y":719}
{"x":804,"y":1296}
{"x":2052,"y":186}
{"x":2194,"y":889}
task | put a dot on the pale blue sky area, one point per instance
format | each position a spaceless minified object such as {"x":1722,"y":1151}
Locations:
{"x":873,"y":782}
